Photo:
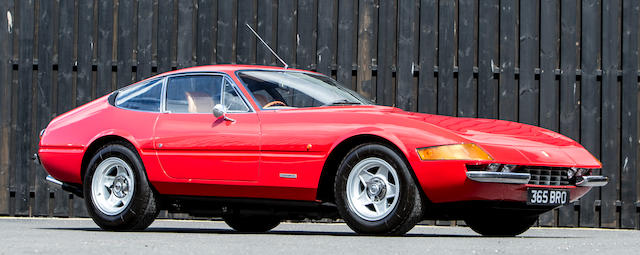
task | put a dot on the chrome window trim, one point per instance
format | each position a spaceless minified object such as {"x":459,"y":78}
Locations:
{"x":224,"y":76}
{"x":163,"y":94}
{"x":236,"y":89}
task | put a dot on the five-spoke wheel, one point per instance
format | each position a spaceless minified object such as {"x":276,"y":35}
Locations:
{"x":117,"y":193}
{"x":372,"y":189}
{"x":375,"y":192}
{"x":112,"y":186}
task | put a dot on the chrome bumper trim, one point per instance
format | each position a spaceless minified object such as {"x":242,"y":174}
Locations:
{"x":499,"y":177}
{"x":54,"y":181}
{"x":75,"y":189}
{"x":593,"y":181}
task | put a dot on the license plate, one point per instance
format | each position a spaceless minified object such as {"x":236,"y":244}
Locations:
{"x":547,"y":196}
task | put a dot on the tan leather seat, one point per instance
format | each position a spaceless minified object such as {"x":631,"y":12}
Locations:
{"x":261,"y":99}
{"x":199,"y":102}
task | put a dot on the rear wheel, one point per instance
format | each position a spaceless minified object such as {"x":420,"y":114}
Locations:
{"x":117,"y":193}
{"x":251,"y":223}
{"x":500,"y":224}
{"x":375,"y":192}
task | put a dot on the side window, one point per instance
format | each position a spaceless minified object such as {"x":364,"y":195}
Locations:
{"x":193,"y":93}
{"x":232,"y":101}
{"x":142,"y":97}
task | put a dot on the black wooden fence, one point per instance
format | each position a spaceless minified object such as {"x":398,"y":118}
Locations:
{"x":567,"y":65}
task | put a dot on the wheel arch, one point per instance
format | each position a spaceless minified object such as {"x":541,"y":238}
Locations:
{"x":96,"y":144}
{"x":330,"y":167}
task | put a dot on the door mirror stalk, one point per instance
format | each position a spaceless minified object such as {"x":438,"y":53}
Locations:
{"x":220,"y":111}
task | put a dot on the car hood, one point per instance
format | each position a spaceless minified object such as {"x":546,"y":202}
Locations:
{"x":499,"y":132}
{"x":506,"y":140}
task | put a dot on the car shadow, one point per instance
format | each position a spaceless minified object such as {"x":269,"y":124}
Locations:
{"x":294,"y":233}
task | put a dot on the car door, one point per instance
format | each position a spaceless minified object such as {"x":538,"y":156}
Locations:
{"x":191,"y":143}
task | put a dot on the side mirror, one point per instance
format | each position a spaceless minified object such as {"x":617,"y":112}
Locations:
{"x":220,"y":111}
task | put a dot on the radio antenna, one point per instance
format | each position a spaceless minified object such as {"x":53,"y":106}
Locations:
{"x":266,"y":45}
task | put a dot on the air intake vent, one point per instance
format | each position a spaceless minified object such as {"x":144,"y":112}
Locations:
{"x":551,"y":176}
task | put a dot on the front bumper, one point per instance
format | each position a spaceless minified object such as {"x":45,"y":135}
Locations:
{"x":523,"y":178}
{"x":593,"y":181}
{"x":499,"y":177}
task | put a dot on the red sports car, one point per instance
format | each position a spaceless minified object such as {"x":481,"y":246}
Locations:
{"x":256,"y":145}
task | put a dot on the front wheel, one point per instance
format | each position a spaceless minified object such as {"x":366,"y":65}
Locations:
{"x":375,"y":192}
{"x":117,"y":193}
{"x":500,"y":224}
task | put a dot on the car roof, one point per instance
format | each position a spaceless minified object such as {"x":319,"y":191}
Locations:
{"x":228,"y":68}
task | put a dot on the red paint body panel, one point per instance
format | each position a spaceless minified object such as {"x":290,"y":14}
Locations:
{"x":204,"y":156}
{"x":200,"y":146}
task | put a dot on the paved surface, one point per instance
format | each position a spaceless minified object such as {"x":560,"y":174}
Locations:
{"x":82,"y":236}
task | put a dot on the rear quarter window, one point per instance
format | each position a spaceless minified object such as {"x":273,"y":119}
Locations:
{"x":141,"y":97}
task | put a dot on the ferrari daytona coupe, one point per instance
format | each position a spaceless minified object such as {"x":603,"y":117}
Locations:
{"x":256,"y":145}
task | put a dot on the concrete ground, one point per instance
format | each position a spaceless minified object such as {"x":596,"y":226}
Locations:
{"x":82,"y":236}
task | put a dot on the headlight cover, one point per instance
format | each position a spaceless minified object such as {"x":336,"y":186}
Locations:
{"x":465,"y":151}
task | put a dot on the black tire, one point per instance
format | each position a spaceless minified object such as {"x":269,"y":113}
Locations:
{"x":143,"y":207}
{"x":255,"y":224}
{"x":499,"y":224}
{"x":408,"y":209}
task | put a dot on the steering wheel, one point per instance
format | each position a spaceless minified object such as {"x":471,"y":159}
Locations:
{"x":272,"y":103}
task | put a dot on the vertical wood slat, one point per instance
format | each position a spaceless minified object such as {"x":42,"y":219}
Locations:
{"x":22,"y":134}
{"x":12,"y":102}
{"x":165,"y":39}
{"x":629,"y":120}
{"x":590,"y":100}
{"x":105,"y":48}
{"x":207,"y":14}
{"x":246,"y":40}
{"x":43,"y":97}
{"x":145,"y":40}
{"x":84,"y":84}
{"x":124,"y":44}
{"x":267,"y":16}
{"x":508,"y":87}
{"x":446,"y":56}
{"x":405,"y":89}
{"x":304,"y":39}
{"x":528,"y":91}
{"x":365,"y":48}
{"x":185,"y":34}
{"x":225,"y":45}
{"x":65,"y":87}
{"x":427,"y":86}
{"x":6,"y":46}
{"x":345,"y":42}
{"x":610,"y":111}
{"x":307,"y":35}
{"x":488,"y":58}
{"x":467,"y":89}
{"x":86,"y":44}
{"x":386,"y":52}
{"x":569,"y":89}
{"x":287,"y":31}
{"x":549,"y":93}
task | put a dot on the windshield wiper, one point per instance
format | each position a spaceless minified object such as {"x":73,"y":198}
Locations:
{"x":342,"y":102}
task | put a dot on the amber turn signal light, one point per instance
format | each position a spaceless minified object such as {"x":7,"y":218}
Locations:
{"x":465,"y":151}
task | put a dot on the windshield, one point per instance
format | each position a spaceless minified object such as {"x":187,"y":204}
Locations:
{"x":292,"y":89}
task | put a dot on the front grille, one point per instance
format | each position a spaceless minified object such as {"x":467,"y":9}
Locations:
{"x":552,"y":176}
